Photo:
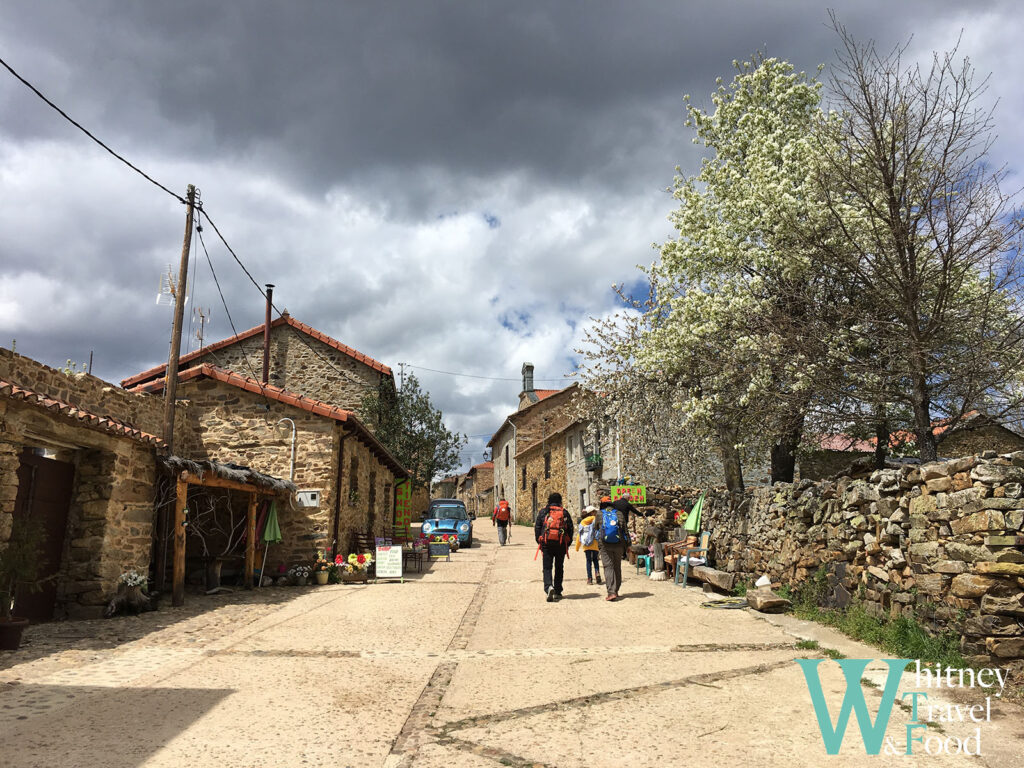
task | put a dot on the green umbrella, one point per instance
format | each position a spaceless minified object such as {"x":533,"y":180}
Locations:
{"x":692,"y":524}
{"x":271,"y":535}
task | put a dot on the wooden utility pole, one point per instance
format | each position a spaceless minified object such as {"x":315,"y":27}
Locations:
{"x":171,"y":382}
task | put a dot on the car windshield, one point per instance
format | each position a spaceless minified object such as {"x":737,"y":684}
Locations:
{"x":449,"y":512}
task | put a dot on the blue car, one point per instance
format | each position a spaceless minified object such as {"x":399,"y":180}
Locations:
{"x":449,"y":516}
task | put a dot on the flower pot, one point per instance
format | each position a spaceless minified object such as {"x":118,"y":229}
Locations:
{"x":300,"y":581}
{"x":321,"y":577}
{"x":354,"y":576}
{"x":10,"y":633}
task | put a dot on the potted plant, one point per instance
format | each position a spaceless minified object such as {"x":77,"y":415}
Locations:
{"x":322,"y":569}
{"x":299,"y":574}
{"x":355,"y":567}
{"x":594,"y":462}
{"x":19,"y":567}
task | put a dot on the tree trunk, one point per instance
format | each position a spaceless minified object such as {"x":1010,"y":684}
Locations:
{"x":881,"y":442}
{"x":921,"y":403}
{"x":730,"y":458}
{"x":784,"y":454}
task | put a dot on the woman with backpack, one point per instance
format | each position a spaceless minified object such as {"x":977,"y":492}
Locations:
{"x":587,"y":537}
{"x":553,"y":531}
{"x":613,"y":538}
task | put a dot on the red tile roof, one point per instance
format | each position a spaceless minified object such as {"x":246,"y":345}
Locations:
{"x":74,"y":413}
{"x":282,"y":396}
{"x":485,"y":465}
{"x":542,"y":393}
{"x":159,"y":370}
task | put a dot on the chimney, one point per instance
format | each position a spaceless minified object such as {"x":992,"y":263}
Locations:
{"x":527,"y":377}
{"x":266,"y":335}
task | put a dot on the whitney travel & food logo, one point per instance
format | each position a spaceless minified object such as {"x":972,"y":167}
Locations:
{"x":918,"y":738}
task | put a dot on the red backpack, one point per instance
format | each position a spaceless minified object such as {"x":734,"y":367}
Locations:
{"x":502,"y":512}
{"x":555,"y":530}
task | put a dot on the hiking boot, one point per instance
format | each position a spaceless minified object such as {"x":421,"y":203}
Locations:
{"x":551,"y":594}
{"x":599,"y":580}
{"x":591,"y":581}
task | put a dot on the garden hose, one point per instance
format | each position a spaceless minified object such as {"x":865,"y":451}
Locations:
{"x":725,"y":602}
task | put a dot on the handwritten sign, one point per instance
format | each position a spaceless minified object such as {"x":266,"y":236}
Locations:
{"x":389,"y":562}
{"x":634,"y":494}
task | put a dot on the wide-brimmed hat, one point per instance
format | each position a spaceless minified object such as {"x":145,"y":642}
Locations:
{"x":590,"y":508}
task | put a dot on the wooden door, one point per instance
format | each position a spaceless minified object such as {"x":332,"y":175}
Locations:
{"x":44,"y":494}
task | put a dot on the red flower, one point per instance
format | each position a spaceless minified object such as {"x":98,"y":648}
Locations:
{"x":360,"y":559}
{"x":339,"y":560}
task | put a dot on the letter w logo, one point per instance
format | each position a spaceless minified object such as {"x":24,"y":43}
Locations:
{"x":872,"y":733}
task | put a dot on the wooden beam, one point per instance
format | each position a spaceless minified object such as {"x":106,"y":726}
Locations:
{"x":178,"y":588}
{"x":212,"y":481}
{"x":250,"y":542}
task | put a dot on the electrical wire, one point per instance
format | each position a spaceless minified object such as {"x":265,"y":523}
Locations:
{"x":227,"y":312}
{"x":473,"y":375}
{"x":80,"y":127}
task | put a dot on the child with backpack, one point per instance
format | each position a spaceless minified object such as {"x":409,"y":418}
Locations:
{"x":587,"y":537}
{"x":613,"y":538}
{"x":553,"y":531}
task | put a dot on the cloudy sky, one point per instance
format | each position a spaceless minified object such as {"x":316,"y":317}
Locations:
{"x":452,"y":185}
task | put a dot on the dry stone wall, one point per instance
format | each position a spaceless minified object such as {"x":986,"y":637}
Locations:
{"x":942,"y":543}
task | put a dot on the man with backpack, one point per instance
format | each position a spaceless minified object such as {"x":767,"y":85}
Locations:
{"x":500,"y":517}
{"x":613,"y":538}
{"x":553,"y":531}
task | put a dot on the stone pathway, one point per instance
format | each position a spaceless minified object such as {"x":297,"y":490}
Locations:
{"x":463,"y":665}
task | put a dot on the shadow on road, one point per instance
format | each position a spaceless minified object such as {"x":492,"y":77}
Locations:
{"x":631,"y":595}
{"x":126,"y":726}
{"x":587,"y":596}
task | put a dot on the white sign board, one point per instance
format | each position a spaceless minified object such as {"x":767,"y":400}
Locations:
{"x":389,"y":562}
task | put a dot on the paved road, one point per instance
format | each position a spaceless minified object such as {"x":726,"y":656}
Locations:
{"x":464,"y":665}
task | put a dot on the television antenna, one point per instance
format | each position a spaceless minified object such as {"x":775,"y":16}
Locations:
{"x":167,"y":292}
{"x":204,"y":318}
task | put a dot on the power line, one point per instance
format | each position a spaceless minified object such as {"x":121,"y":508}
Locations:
{"x":80,"y":127}
{"x":473,"y":375}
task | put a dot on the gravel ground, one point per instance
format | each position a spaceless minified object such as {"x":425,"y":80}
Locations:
{"x":465,"y":665}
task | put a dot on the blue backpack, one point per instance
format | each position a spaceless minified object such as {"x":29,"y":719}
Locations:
{"x":611,"y":531}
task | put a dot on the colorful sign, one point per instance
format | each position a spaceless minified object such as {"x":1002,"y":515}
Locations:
{"x":635,"y":494}
{"x":440,"y":549}
{"x":389,"y":562}
{"x":403,"y":507}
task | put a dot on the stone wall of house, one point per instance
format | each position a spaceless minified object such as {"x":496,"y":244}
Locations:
{"x":240,"y":427}
{"x":86,"y":392}
{"x":110,"y":516}
{"x":532,"y":461}
{"x":368,"y":497}
{"x":504,"y":474}
{"x":302,"y":364}
{"x":940,"y":542}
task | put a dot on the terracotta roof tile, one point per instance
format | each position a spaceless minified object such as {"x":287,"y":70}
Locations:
{"x":104,"y":423}
{"x":157,"y":371}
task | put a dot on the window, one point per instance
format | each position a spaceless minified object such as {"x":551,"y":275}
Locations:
{"x":506,"y":455}
{"x":524,"y":477}
{"x":568,"y":447}
{"x":547,"y":465}
{"x":353,"y":476}
{"x":373,"y":491}
{"x":583,"y":500}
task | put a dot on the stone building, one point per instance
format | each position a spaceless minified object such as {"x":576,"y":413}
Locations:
{"x":541,"y":471}
{"x":476,"y":489}
{"x":591,"y":461}
{"x":78,"y":455}
{"x":302,"y":359}
{"x":541,"y":414}
{"x":346,"y":478}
